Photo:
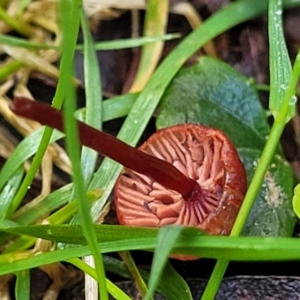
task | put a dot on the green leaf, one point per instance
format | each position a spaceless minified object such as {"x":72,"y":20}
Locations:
{"x":214,"y":94}
{"x":166,"y":238}
{"x":272,"y":213}
{"x":72,"y":234}
{"x":189,"y":242}
{"x":22,"y":288}
{"x":296,"y":200}
{"x":25,"y":150}
{"x":93,"y":93}
{"x":174,"y":284}
{"x":280,"y":64}
{"x":105,"y":45}
{"x":9,"y":191}
{"x":165,"y":287}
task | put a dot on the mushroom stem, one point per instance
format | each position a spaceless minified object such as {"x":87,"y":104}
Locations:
{"x":159,"y":170}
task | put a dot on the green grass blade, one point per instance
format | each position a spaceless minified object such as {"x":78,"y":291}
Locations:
{"x":114,"y":290}
{"x":118,"y":107}
{"x":134,"y":271}
{"x":165,"y":240}
{"x":280,"y":65}
{"x":107,"y":45}
{"x":155,"y":24}
{"x":9,"y":68}
{"x":22,"y":287}
{"x":264,"y":161}
{"x":189,"y":242}
{"x":44,"y":208}
{"x":9,"y":191}
{"x":133,"y":42}
{"x":26,"y":148}
{"x":15,"y":23}
{"x":165,"y":286}
{"x":93,"y":93}
{"x":72,"y":142}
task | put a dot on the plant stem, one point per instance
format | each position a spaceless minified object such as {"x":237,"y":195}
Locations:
{"x":16,"y":24}
{"x":263,"y":164}
{"x":130,"y":157}
{"x":114,"y":290}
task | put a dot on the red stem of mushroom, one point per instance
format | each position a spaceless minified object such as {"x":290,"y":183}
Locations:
{"x":131,"y":158}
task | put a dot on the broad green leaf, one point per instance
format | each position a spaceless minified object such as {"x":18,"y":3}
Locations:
{"x":272,"y":213}
{"x":22,"y":288}
{"x":214,"y":94}
{"x":176,"y":286}
{"x":166,"y":286}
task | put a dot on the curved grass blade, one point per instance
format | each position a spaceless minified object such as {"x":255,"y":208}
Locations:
{"x":189,"y":242}
{"x":166,"y":238}
{"x":72,"y":142}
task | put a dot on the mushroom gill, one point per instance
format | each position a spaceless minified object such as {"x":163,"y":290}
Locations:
{"x":203,"y":154}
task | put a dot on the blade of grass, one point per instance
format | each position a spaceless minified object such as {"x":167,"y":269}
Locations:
{"x":93,"y":115}
{"x":25,"y":149}
{"x":155,"y":24}
{"x":10,"y":68}
{"x":9,"y":191}
{"x":16,"y":24}
{"x":114,"y":290}
{"x":107,"y":45}
{"x":72,"y":144}
{"x":280,"y":65}
{"x":165,"y":286}
{"x":166,"y":238}
{"x":59,"y":217}
{"x":94,"y":111}
{"x":135,"y":274}
{"x":233,"y":248}
{"x":22,"y":287}
{"x":133,"y":42}
{"x":255,"y":184}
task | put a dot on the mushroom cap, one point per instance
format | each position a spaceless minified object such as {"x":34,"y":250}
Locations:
{"x":202,"y":153}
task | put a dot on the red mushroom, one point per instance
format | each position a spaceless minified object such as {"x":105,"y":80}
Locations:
{"x":185,"y":174}
{"x":201,"y":153}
